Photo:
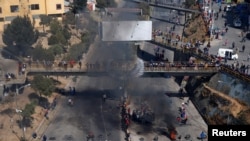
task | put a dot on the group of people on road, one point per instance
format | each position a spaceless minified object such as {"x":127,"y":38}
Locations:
{"x":72,"y":93}
{"x":125,"y":118}
{"x":182,"y":118}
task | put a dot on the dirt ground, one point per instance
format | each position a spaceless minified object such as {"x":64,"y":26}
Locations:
{"x":9,"y":127}
{"x":9,"y":119}
{"x":238,"y":109}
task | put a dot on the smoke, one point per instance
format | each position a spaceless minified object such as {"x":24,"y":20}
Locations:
{"x":107,"y":52}
{"x":104,"y":52}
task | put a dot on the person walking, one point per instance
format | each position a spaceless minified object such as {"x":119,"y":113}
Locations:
{"x":233,"y":44}
{"x":243,"y":48}
{"x":225,"y":24}
{"x":226,"y":29}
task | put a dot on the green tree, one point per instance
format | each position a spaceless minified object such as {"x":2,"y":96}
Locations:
{"x":77,"y":5}
{"x":85,"y":37}
{"x":20,"y":33}
{"x":43,"y":85}
{"x":42,"y":54}
{"x":56,"y":49}
{"x":52,"y":40}
{"x":60,"y":34}
{"x":45,"y":21}
{"x":60,"y":37}
{"x":29,"y":109}
{"x":66,"y":32}
{"x":55,"y":26}
{"x":69,"y":18}
{"x":76,"y":51}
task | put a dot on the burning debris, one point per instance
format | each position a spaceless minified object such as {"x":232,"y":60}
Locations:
{"x":143,"y":114}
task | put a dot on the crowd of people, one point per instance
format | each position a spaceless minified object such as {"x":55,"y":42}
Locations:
{"x":239,"y":70}
{"x":179,"y":65}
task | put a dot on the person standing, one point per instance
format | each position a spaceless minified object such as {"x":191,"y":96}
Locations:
{"x":237,"y":49}
{"x":203,"y":135}
{"x":226,"y":29}
{"x":44,"y":138}
{"x":11,"y":122}
{"x":80,"y":64}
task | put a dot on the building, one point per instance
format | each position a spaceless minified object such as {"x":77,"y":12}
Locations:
{"x":10,"y":9}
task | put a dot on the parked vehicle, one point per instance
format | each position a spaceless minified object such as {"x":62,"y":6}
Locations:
{"x":237,"y":22}
{"x":228,"y":7}
{"x":227,"y":53}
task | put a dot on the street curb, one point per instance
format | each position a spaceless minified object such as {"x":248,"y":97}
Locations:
{"x":40,"y":130}
{"x":44,"y":124}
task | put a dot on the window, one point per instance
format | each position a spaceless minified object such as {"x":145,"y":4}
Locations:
{"x":0,"y":10}
{"x":34,"y":6}
{"x":14,"y":8}
{"x":1,"y":19}
{"x":58,"y":6}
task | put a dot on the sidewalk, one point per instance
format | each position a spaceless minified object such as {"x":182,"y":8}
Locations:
{"x":44,"y":124}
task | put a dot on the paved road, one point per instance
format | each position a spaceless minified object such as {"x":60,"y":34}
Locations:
{"x":233,"y":35}
{"x":86,"y":113}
